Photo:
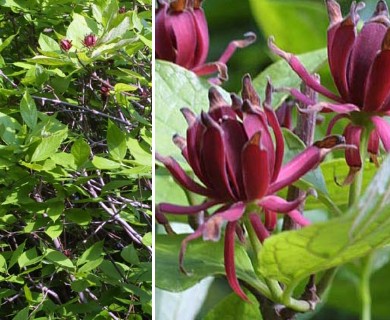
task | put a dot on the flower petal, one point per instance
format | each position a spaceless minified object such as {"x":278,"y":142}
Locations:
{"x":301,"y":71}
{"x":230,"y":267}
{"x":181,"y":176}
{"x":255,"y":168}
{"x":202,"y":43}
{"x":297,"y":216}
{"x":164,"y":46}
{"x":213,"y":159}
{"x":377,"y":87}
{"x":341,"y":39}
{"x":260,"y":230}
{"x":277,"y":204}
{"x":250,"y":37}
{"x":367,"y":44}
{"x":181,"y":210}
{"x":352,"y":135}
{"x":305,"y":161}
{"x":383,"y":129}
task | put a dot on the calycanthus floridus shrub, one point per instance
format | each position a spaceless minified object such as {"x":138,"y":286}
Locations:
{"x":75,"y":160}
{"x":241,"y":182}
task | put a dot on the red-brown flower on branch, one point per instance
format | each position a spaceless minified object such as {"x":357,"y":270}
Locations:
{"x":66,"y":44}
{"x":90,"y":40}
{"x":360,"y":66}
{"x":182,"y":37}
{"x":232,"y":152}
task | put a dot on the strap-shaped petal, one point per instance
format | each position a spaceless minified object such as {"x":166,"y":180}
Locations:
{"x":377,"y":88}
{"x":255,"y":168}
{"x":260,"y":230}
{"x":277,"y":204}
{"x":367,"y":44}
{"x":383,"y":129}
{"x":182,"y":177}
{"x":182,"y":210}
{"x":352,"y":135}
{"x":164,"y":46}
{"x":202,"y":37}
{"x":230,"y":267}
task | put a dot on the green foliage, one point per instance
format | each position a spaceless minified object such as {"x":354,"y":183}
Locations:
{"x":75,"y":198}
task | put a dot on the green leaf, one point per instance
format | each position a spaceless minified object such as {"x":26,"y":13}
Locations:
{"x":79,"y":28}
{"x":90,"y":265}
{"x":291,"y":256}
{"x":8,"y":128}
{"x":22,"y":314}
{"x":80,"y":151}
{"x":122,"y":87}
{"x":6,"y":42}
{"x":129,"y":254}
{"x":49,"y":61}
{"x":59,"y":259}
{"x":282,"y":76}
{"x":55,"y":210}
{"x":105,"y":164}
{"x":49,"y":145}
{"x":48,"y":44}
{"x":16,"y":254}
{"x":92,"y":253}
{"x":28,"y":110}
{"x":147,"y":239}
{"x":3,"y":264}
{"x":177,"y":88}
{"x":28,"y":258}
{"x":116,"y":140}
{"x":79,"y":285}
{"x":54,"y":230}
{"x":292,"y":23}
{"x":202,"y":259}
{"x":233,"y":307}
{"x":140,"y":151}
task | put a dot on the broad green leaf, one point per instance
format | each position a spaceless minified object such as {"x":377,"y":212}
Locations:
{"x":80,"y":151}
{"x":54,"y":230}
{"x":49,"y":145}
{"x":92,"y":253}
{"x":105,"y":164}
{"x":59,"y":259}
{"x":177,"y":88}
{"x":122,"y":87}
{"x":16,"y":254}
{"x":79,"y":216}
{"x":118,"y":31}
{"x":147,"y":239}
{"x":90,"y":265}
{"x":64,"y":159}
{"x":55,"y":210}
{"x":233,"y":307}
{"x":292,"y":23}
{"x":140,"y":151}
{"x":3,"y":264}
{"x":48,"y":44}
{"x":28,"y":258}
{"x":22,"y":314}
{"x":129,"y":254}
{"x":80,"y":27}
{"x":116,"y":140}
{"x":202,"y":259}
{"x":291,"y":256}
{"x":28,"y":110}
{"x":49,"y":61}
{"x":6,"y":42}
{"x":282,"y":76}
{"x":27,"y":293}
{"x":8,"y":128}
{"x":79,"y":285}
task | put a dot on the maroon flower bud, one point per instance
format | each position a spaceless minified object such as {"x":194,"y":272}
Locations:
{"x":104,"y":91}
{"x":122,"y":9}
{"x":66,"y":44}
{"x":90,"y":40}
{"x":360,"y":64}
{"x":236,"y":152}
{"x":182,"y":37}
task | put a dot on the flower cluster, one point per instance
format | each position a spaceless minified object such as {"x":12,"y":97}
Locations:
{"x":360,"y":65}
{"x":182,"y":37}
{"x":236,"y":152}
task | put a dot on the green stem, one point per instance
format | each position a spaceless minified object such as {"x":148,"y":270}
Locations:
{"x":356,"y":186}
{"x":365,"y":287}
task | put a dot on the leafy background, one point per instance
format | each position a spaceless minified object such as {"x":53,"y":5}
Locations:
{"x":75,"y":160}
{"x":292,"y":23}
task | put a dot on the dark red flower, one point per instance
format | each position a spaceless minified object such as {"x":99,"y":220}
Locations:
{"x":232,"y":152}
{"x":90,"y":40}
{"x":360,"y":66}
{"x":182,"y":37}
{"x":66,"y":44}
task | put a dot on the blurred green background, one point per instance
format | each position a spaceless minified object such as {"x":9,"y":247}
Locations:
{"x":298,"y":26}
